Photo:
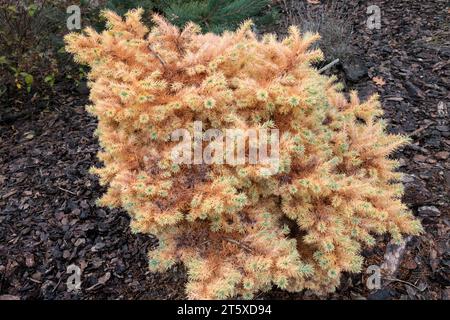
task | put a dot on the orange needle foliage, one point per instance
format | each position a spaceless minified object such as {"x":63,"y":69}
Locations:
{"x":237,"y":229}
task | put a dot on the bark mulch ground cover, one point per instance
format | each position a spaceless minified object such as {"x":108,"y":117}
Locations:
{"x":48,"y":219}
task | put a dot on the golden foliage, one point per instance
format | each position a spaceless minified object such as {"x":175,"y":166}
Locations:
{"x":238,"y":230}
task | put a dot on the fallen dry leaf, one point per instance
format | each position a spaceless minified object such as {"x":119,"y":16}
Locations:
{"x":379,"y":81}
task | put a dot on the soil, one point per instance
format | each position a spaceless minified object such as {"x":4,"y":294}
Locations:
{"x":48,"y":217}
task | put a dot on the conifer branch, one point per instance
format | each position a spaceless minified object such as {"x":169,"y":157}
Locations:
{"x":157,"y":56}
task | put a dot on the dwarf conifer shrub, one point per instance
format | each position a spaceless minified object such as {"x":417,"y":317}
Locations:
{"x":237,"y":228}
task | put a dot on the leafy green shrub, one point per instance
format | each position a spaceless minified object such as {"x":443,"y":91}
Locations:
{"x":26,"y":30}
{"x":32,"y":55}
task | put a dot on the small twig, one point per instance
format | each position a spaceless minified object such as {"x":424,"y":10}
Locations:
{"x":34,"y":280}
{"x":239,"y":244}
{"x":94,"y":287}
{"x":157,"y":56}
{"x":328,"y":66}
{"x":71,"y":192}
{"x":55,"y":287}
{"x":402,"y":281}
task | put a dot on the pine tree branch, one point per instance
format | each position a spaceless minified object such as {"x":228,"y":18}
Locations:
{"x":157,"y":56}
